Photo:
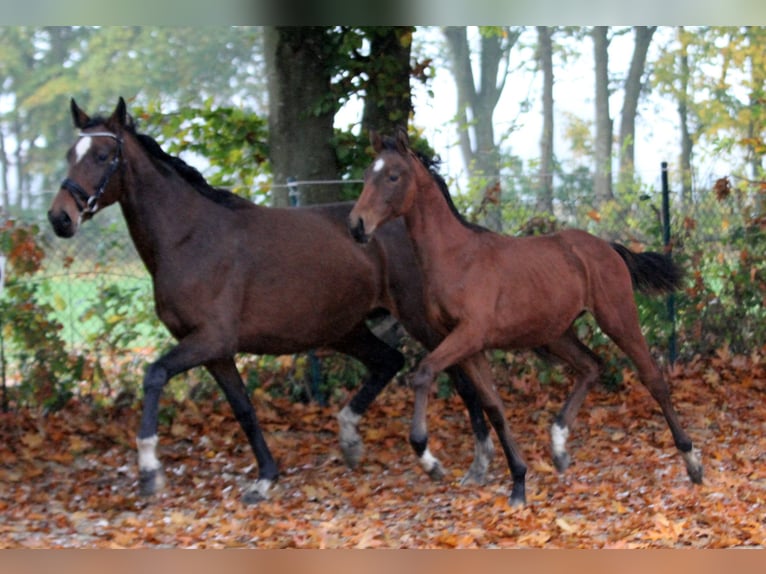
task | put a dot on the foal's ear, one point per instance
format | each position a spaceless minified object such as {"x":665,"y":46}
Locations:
{"x":376,"y":141}
{"x":402,"y":141}
{"x":79,"y":117}
{"x":120,"y":114}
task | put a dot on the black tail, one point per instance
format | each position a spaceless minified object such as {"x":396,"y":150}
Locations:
{"x":652,"y":273}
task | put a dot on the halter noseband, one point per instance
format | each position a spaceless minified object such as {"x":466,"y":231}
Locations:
{"x":88,"y":204}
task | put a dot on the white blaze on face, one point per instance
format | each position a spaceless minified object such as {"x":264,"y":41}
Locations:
{"x":378,"y":165}
{"x":81,"y":148}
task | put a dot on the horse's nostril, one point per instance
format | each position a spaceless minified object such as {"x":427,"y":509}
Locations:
{"x":357,"y":231}
{"x":61,"y":223}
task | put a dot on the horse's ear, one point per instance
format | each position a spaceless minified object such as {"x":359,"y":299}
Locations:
{"x":120,"y":114}
{"x":376,"y":141}
{"x":79,"y":117}
{"x":402,"y":141}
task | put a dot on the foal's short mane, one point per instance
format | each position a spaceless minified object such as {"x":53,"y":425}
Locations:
{"x":432,"y":166}
{"x":188,"y":173}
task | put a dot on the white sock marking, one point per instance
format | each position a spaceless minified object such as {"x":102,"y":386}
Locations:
{"x":559,"y":436}
{"x":147,"y":453}
{"x":428,"y":461}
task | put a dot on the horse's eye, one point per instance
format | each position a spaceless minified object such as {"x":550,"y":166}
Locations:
{"x":102,"y":157}
{"x":393,"y":178}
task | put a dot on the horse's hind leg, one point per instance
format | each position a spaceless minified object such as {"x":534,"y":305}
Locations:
{"x":383,"y":363}
{"x":587,"y":368}
{"x":622,"y":326}
{"x":227,"y":376}
{"x":483,"y":449}
{"x":479,"y":371}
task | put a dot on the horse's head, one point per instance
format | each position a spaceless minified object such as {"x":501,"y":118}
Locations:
{"x":95,"y":160}
{"x":389,"y":186}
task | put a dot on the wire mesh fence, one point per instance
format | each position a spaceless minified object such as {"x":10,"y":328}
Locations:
{"x":101,"y":294}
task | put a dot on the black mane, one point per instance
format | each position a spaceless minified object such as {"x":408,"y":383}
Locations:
{"x":188,"y":173}
{"x":432,"y":165}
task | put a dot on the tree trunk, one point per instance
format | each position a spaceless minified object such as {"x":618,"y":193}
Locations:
{"x":545,"y":51}
{"x":300,"y":114}
{"x":633,"y":87}
{"x":388,"y":101}
{"x":756,"y":38}
{"x":5,"y":196}
{"x":602,"y":179}
{"x":687,"y":144}
{"x":481,"y":157}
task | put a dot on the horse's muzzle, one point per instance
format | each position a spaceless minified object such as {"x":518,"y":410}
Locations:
{"x":62,"y":224}
{"x":357,"y":230}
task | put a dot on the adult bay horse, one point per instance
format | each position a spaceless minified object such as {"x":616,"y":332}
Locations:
{"x":485,"y":290}
{"x":230,"y":276}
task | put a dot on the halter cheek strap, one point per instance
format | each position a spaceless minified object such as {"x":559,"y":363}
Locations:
{"x":88,"y":204}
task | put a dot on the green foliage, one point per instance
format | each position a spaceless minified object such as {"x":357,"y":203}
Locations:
{"x":724,"y":302}
{"x":46,"y":375}
{"x":233,"y":140}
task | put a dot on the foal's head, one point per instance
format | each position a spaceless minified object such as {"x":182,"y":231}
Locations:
{"x":95,"y":160}
{"x":390,"y":184}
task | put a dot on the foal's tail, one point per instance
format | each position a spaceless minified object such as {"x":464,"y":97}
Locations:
{"x":652,"y":273}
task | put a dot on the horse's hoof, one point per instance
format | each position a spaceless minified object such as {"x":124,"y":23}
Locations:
{"x":352,"y":451}
{"x":258,"y":492}
{"x":253,"y":497}
{"x":518,"y":498}
{"x":150,"y":482}
{"x":562,"y":461}
{"x":474,"y":477}
{"x":351,"y":446}
{"x":437,"y":472}
{"x":693,"y":465}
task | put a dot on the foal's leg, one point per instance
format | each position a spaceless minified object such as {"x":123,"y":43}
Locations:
{"x":383,"y":363}
{"x":483,"y":450}
{"x":416,"y":324}
{"x":228,"y":378}
{"x":461,"y":346}
{"x":479,"y":370}
{"x":587,"y":367}
{"x":620,"y":322}
{"x":447,"y":353}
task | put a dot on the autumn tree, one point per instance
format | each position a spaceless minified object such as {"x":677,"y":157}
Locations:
{"x":387,"y":69}
{"x":602,"y":158}
{"x":312,"y":72}
{"x":632,"y":91}
{"x":44,"y":67}
{"x":632,"y":87}
{"x":545,"y":62}
{"x":477,"y":99}
{"x":301,"y":115}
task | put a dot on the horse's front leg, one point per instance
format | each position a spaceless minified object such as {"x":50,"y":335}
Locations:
{"x":451,"y":350}
{"x":189,"y":353}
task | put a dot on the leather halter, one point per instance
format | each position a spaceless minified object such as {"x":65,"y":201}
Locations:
{"x":88,"y":204}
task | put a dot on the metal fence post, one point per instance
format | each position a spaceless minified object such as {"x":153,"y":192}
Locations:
{"x":671,"y":301}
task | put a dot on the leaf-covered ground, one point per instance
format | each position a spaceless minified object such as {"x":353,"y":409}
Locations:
{"x":70,"y":479}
